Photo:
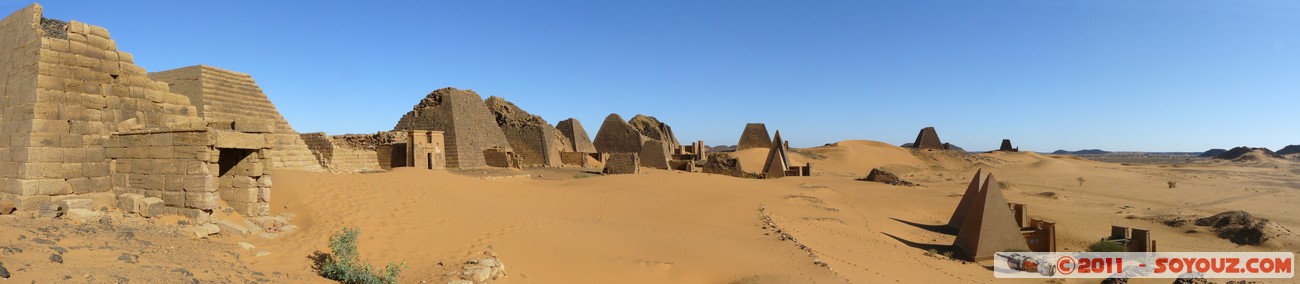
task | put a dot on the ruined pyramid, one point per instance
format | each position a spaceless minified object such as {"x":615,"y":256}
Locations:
{"x":467,"y":125}
{"x":754,"y":136}
{"x":618,"y":136}
{"x":221,"y":94}
{"x":535,"y":141}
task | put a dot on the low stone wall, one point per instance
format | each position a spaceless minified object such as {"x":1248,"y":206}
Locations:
{"x":622,"y":163}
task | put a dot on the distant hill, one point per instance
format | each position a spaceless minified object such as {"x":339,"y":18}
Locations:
{"x":1212,"y":153}
{"x":1289,"y":149}
{"x":721,"y":148}
{"x":1238,"y":152}
{"x":1082,"y":152}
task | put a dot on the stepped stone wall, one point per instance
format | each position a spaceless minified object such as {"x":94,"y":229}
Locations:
{"x":353,"y":152}
{"x":221,"y":94}
{"x":65,"y":88}
{"x":577,"y":136}
{"x":467,"y":125}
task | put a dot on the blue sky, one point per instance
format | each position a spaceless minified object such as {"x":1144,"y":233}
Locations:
{"x":1117,"y":75}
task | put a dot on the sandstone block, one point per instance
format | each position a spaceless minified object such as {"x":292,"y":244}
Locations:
{"x":76,"y":203}
{"x":201,"y":231}
{"x":84,"y":215}
{"x":150,"y":207}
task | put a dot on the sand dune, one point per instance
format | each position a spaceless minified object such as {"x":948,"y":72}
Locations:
{"x":674,"y":227}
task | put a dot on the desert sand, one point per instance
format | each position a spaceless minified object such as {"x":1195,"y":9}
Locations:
{"x":567,"y":226}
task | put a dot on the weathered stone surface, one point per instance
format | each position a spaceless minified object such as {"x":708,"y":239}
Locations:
{"x":882,"y":176}
{"x":928,"y":139}
{"x":233,"y":228}
{"x":83,"y":215}
{"x":76,"y":203}
{"x":1242,"y":228}
{"x":754,"y":136}
{"x":622,"y":163}
{"x":465,"y":121}
{"x":652,"y":128}
{"x":201,"y":231}
{"x":150,"y":207}
{"x":572,"y":130}
{"x":652,"y":155}
{"x":227,"y":95}
{"x":723,"y":164}
{"x":50,"y":211}
{"x":618,"y":136}
{"x":535,"y":141}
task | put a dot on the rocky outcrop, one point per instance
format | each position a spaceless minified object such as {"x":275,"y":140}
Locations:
{"x":1289,"y":149}
{"x":1212,"y":153}
{"x":1242,"y":228}
{"x":1244,"y":152}
{"x":882,"y":176}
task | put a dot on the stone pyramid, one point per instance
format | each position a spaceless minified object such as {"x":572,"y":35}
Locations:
{"x":580,"y":142}
{"x":618,"y":136}
{"x":989,"y":226}
{"x":535,"y":141}
{"x":467,"y":125}
{"x":221,"y":94}
{"x":928,"y":139}
{"x":755,"y":136}
{"x":1006,"y":145}
{"x":972,"y":191}
{"x":777,"y":162}
{"x":66,"y":86}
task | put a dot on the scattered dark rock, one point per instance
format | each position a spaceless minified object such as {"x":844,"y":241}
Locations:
{"x":59,"y":250}
{"x":183,"y":271}
{"x":1239,"y":152}
{"x":4,"y":273}
{"x":55,"y":258}
{"x":42,"y":241}
{"x":879,"y":175}
{"x":1191,"y":278}
{"x":11,"y":250}
{"x":1242,"y":228}
{"x":121,"y":279}
{"x":1115,"y":280}
{"x":1289,"y":149}
{"x":129,"y":258}
{"x":1212,"y":153}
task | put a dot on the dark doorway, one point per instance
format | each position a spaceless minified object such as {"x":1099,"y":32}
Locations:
{"x":230,"y":158}
{"x":430,"y":159}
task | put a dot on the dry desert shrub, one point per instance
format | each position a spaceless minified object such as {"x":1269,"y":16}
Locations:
{"x":344,"y":263}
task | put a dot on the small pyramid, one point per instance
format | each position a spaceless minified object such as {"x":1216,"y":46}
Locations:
{"x":972,"y":192}
{"x":989,"y":226}
{"x":928,"y":139}
{"x":777,"y":162}
{"x":1006,"y":146}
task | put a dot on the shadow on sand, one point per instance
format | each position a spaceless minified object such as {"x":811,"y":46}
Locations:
{"x":942,"y":229}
